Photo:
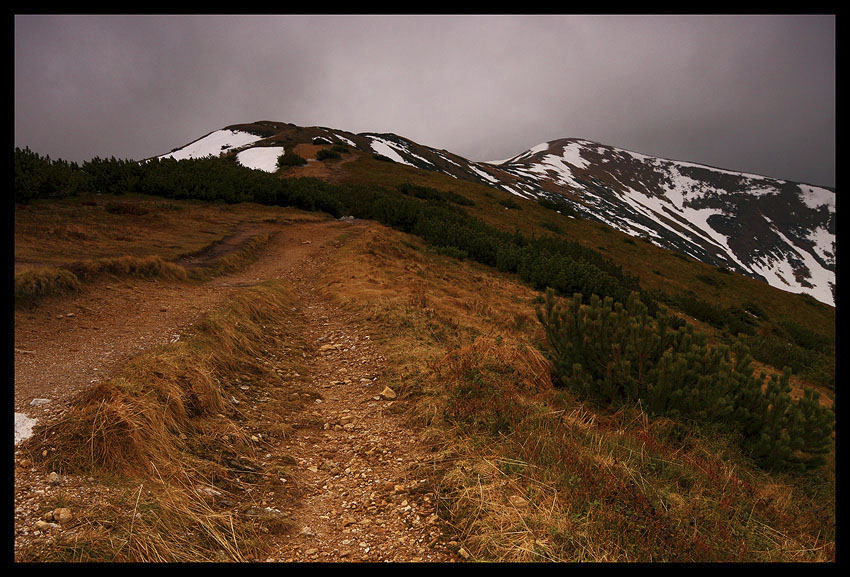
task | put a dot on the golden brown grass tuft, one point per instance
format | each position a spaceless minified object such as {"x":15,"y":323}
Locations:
{"x":170,"y":423}
{"x":145,"y":267}
{"x":33,"y":284}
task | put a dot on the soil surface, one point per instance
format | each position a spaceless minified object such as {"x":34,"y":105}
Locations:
{"x":67,"y":343}
{"x":359,"y":497}
{"x":225,"y":246}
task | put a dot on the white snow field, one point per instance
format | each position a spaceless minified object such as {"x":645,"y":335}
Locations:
{"x":260,"y":158}
{"x":214,"y":144}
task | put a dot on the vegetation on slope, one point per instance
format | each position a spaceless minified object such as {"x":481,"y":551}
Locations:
{"x":166,"y":434}
{"x":525,"y":470}
{"x":528,"y":471}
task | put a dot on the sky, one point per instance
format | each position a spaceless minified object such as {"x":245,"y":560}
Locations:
{"x":754,"y":93}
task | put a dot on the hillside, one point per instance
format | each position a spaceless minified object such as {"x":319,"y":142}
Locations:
{"x":353,"y":358}
{"x":778,"y":231}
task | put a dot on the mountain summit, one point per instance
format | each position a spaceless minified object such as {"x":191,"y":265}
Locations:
{"x":779,"y":231}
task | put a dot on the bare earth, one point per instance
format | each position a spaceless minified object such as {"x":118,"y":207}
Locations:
{"x":359,"y":497}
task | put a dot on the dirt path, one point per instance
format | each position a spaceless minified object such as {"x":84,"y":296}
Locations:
{"x":356,"y":495}
{"x":360,"y":498}
{"x":68,"y":343}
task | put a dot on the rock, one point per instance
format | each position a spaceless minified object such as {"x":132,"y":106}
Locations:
{"x":388,"y":394}
{"x":54,"y":478}
{"x":307,"y":531}
{"x":62,"y":515}
{"x":45,"y":526}
{"x":348,"y":521}
{"x":39,"y":402}
{"x":47,"y":517}
{"x":463,"y":553}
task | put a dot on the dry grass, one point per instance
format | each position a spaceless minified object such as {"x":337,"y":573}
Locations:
{"x":33,"y":284}
{"x":123,"y":266}
{"x":170,"y":424}
{"x":239,"y":258}
{"x":57,"y":232}
{"x":138,"y":248}
{"x":526,"y":472}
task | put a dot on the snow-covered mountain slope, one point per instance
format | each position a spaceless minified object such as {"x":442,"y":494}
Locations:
{"x":214,"y":144}
{"x":779,"y":231}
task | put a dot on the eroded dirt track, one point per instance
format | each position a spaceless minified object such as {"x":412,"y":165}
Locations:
{"x":357,"y":495}
{"x":68,"y":343}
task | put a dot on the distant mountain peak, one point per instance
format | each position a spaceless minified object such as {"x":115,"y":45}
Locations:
{"x":780,"y":231}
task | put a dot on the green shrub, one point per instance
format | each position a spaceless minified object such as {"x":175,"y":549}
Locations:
{"x":327,"y":154}
{"x":289,"y":158}
{"x":617,"y":353}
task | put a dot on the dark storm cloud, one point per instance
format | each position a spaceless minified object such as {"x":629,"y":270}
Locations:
{"x":753,"y":93}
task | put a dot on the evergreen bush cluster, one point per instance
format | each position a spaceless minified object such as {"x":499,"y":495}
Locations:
{"x":733,"y":319}
{"x":618,"y":353}
{"x":289,"y":158}
{"x":327,"y":154}
{"x":429,"y":193}
{"x":427,"y":212}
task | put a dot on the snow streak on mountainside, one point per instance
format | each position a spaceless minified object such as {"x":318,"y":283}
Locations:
{"x":779,"y":231}
{"x":782,"y":232}
{"x":213,"y":144}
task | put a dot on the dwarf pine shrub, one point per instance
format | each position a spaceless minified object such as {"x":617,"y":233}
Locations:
{"x":617,"y":353}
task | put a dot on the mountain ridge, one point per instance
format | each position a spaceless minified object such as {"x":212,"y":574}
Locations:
{"x":779,"y":231}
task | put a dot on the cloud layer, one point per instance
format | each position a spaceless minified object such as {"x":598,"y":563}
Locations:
{"x":751,"y":93}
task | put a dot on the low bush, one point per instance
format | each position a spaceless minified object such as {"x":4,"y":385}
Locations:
{"x":617,"y":353}
{"x":327,"y":154}
{"x":289,"y":158}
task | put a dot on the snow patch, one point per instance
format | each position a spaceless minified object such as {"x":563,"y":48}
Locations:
{"x":23,"y":427}
{"x":214,"y":144}
{"x":345,"y":140}
{"x":572,"y":154}
{"x":815,"y":197}
{"x":260,"y":158}
{"x":384,"y":148}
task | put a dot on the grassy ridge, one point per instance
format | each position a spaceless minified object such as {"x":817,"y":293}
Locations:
{"x":528,"y":472}
{"x":61,"y":245}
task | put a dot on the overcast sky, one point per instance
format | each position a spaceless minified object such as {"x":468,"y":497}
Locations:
{"x":751,"y":93}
